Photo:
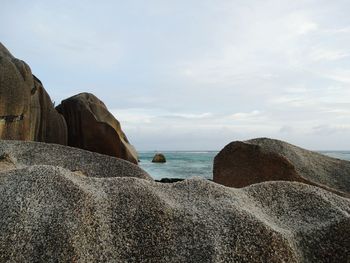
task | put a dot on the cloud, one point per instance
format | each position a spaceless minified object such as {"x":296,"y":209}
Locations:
{"x":196,"y":72}
{"x":327,"y":129}
{"x":245,"y":115}
{"x":305,"y":27}
{"x":324,"y":54}
{"x":339,"y":75}
{"x":286,"y":129}
{"x":190,"y":116}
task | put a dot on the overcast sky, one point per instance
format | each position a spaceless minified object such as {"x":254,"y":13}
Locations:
{"x":196,"y":74}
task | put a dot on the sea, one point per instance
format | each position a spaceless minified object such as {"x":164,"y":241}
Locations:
{"x":186,"y":164}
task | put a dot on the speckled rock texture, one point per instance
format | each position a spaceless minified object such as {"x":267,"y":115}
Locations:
{"x":240,"y":164}
{"x":19,"y":155}
{"x":159,"y":158}
{"x":52,"y":213}
{"x":92,"y":127}
{"x":26,"y":110}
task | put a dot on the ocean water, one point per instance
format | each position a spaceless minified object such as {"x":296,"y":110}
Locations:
{"x":344,"y":155}
{"x":189,"y":164}
{"x":179,"y":164}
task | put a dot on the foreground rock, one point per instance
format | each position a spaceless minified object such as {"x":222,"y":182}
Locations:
{"x":92,"y":127}
{"x":23,"y":155}
{"x":26,"y":110}
{"x":159,"y":158}
{"x":51,"y":213}
{"x":241,"y":164}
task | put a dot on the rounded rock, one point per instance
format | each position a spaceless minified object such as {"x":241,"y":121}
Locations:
{"x":159,"y":158}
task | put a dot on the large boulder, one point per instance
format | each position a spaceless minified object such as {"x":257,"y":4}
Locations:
{"x":240,"y":164}
{"x":26,"y":110}
{"x":92,"y":127}
{"x":19,"y":154}
{"x":52,"y":213}
{"x":27,"y":113}
{"x":16,"y":83}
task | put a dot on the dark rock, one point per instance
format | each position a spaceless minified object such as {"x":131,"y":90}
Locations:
{"x":169,"y":180}
{"x":51,"y":126}
{"x":92,"y":127}
{"x":159,"y":158}
{"x":241,"y":164}
{"x":26,"y":111}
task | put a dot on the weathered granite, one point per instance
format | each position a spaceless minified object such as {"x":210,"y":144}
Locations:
{"x":241,"y":164}
{"x":51,"y":126}
{"x":16,"y":82}
{"x":19,"y":154}
{"x":92,"y":127}
{"x":51,"y":213}
{"x":26,"y":110}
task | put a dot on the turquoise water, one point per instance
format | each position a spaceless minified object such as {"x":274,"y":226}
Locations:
{"x":189,"y":164}
{"x":345,"y":155}
{"x":179,"y":164}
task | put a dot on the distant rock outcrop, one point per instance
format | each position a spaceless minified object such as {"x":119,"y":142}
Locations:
{"x":60,"y":204}
{"x":159,"y":158}
{"x":92,"y":127}
{"x":241,"y":164}
{"x":26,"y":110}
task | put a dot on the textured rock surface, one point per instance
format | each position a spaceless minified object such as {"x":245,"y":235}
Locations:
{"x":19,"y":154}
{"x":244,"y":163}
{"x":51,"y":126}
{"x":92,"y":127}
{"x":26,"y":110}
{"x":52,"y":213}
{"x":16,"y":83}
{"x":159,"y":158}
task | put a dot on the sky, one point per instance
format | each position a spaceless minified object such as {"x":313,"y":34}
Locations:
{"x":195,"y":75}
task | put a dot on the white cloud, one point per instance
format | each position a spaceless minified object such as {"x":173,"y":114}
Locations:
{"x":286,"y":129}
{"x":305,"y":27}
{"x":324,"y":54}
{"x":204,"y":115}
{"x":245,"y":115}
{"x":196,"y":71}
{"x":340,"y":75}
{"x":327,"y":129}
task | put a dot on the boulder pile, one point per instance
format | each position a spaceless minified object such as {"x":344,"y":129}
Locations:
{"x":65,"y":204}
{"x":27,"y":113}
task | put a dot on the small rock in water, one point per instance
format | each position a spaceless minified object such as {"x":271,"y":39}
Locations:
{"x":159,"y":158}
